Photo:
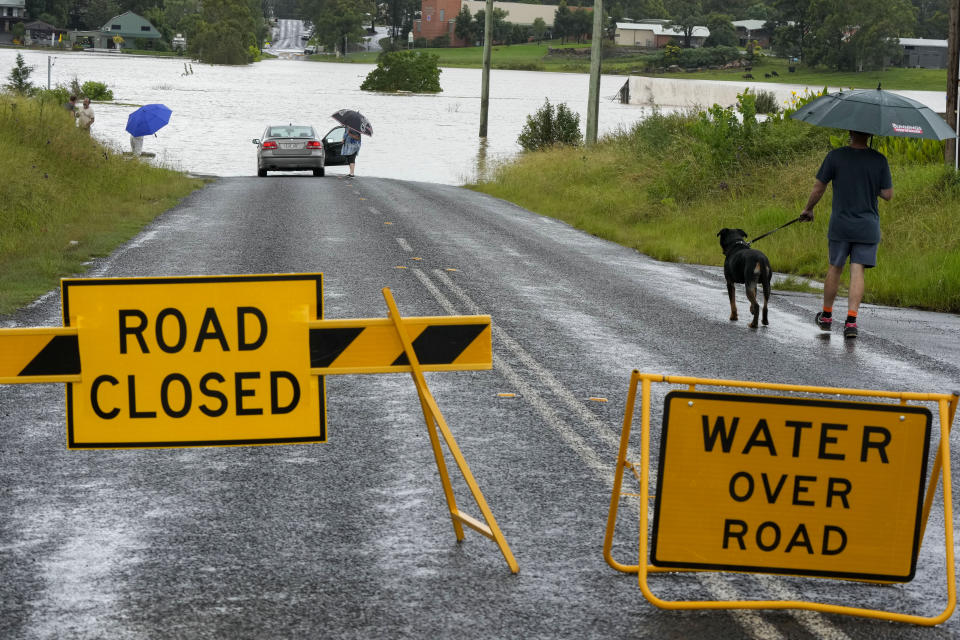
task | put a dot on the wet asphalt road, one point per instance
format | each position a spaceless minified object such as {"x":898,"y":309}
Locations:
{"x":349,"y":539}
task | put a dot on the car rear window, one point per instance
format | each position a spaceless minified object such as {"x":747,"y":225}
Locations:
{"x":291,"y":132}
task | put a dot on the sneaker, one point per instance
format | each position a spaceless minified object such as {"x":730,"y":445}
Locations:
{"x":850,"y":330}
{"x":350,"y":175}
{"x":823,"y":323}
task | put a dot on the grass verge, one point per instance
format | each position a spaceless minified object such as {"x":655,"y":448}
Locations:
{"x":536,"y":57}
{"x":67,"y":198}
{"x":653,"y":189}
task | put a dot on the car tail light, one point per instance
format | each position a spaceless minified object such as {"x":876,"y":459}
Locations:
{"x":269,"y":144}
{"x":313,"y":144}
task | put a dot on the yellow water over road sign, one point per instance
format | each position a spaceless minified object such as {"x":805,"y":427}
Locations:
{"x":202,"y":360}
{"x":790,"y":485}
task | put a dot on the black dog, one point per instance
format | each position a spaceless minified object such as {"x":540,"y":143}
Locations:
{"x":747,"y":266}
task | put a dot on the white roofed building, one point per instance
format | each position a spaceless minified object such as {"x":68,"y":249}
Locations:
{"x":655,"y":35}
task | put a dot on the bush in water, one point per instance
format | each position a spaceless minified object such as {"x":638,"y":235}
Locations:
{"x":405,"y":71}
{"x":548,"y":127}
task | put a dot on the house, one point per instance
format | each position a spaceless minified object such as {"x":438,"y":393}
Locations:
{"x":923,"y":52}
{"x":40,"y":32}
{"x":655,"y":35}
{"x":438,"y":17}
{"x":748,"y":30}
{"x":128,"y":26}
{"x":11,"y":12}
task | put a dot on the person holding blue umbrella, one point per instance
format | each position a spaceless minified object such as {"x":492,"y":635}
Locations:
{"x":146,"y":120}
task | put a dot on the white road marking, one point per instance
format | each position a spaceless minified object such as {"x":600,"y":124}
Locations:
{"x":404,"y":245}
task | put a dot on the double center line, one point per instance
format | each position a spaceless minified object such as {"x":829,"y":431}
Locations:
{"x":752,"y":622}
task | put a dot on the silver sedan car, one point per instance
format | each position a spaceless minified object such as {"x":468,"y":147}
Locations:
{"x":289,"y":148}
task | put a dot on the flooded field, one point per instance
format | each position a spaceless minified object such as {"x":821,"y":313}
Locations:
{"x":217,"y":110}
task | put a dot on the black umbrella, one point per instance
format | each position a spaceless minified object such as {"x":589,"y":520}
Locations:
{"x":355,"y":120}
{"x":875,"y":111}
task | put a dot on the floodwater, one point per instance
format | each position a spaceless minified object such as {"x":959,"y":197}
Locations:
{"x":217,"y":110}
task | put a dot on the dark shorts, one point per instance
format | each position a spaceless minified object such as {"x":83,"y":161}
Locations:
{"x":859,"y":253}
{"x":352,"y":158}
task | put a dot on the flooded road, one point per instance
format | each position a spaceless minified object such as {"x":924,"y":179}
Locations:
{"x":217,"y":110}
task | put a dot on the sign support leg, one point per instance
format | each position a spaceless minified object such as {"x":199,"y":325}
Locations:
{"x":488,"y":526}
{"x":615,"y":495}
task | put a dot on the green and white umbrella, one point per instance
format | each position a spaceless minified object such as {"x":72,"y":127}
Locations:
{"x":875,"y":111}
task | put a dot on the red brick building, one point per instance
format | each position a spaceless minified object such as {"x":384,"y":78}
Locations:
{"x":437,"y":17}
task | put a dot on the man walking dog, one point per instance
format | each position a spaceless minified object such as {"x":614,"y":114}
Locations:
{"x":859,"y":174}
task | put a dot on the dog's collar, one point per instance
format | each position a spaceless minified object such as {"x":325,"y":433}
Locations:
{"x":737,"y":244}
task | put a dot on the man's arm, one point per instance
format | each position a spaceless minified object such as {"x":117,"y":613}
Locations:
{"x":819,"y":188}
{"x":886,"y":194}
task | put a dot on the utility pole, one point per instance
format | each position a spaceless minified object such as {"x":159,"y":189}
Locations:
{"x":485,"y":82}
{"x":953,"y":70}
{"x":593,"y":100}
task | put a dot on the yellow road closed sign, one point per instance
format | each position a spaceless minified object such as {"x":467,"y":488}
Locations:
{"x":790,"y":485}
{"x":204,"y":360}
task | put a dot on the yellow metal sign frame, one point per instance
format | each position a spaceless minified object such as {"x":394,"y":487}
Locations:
{"x":435,"y":422}
{"x":349,"y":346}
{"x":947,"y":407}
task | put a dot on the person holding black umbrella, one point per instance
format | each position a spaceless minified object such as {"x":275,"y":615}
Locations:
{"x":351,"y":147}
{"x":356,"y":124}
{"x":859,"y":174}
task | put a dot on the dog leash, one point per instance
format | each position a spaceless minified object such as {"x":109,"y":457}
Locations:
{"x":797,"y":219}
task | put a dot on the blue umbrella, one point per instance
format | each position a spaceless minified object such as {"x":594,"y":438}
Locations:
{"x":148,"y":119}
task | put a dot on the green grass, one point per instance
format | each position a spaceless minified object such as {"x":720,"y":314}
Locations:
{"x":67,"y":199}
{"x":892,"y":78}
{"x":534,"y":57}
{"x":662,"y":201}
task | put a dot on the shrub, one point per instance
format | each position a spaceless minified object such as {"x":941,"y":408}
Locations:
{"x":767,"y":102}
{"x":96,"y":91}
{"x":441,"y":41}
{"x":387,"y":44}
{"x":549,"y":127}
{"x":20,"y":78}
{"x":405,"y":71}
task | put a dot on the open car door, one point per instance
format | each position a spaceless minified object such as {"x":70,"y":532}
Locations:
{"x":332,"y":145}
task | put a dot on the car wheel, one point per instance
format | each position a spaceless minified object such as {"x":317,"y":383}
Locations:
{"x":261,"y":172}
{"x":318,"y":172}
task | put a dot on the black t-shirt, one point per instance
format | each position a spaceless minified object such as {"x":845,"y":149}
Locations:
{"x":858,"y":176}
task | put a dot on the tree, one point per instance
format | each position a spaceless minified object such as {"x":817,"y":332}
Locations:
{"x":225,"y":33}
{"x":561,"y":21}
{"x":550,"y":126}
{"x":501,"y":28}
{"x":400,"y":16}
{"x":18,"y":31}
{"x":20,"y":78}
{"x":581,"y":24}
{"x":176,"y":13}
{"x":792,"y":27}
{"x":339,"y":21}
{"x":98,"y":12}
{"x":722,"y":33}
{"x":519,"y":34}
{"x":539,"y":28}
{"x":643,"y":9}
{"x":56,"y":12}
{"x":684,"y":16}
{"x":758,"y":11}
{"x":933,"y":18}
{"x":405,"y":71}
{"x":463,"y":26}
{"x":855,"y":34}
{"x":729,"y":7}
